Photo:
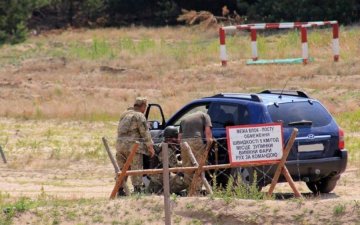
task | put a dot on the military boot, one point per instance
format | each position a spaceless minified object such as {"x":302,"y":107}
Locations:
{"x":137,"y":190}
{"x":121,"y":192}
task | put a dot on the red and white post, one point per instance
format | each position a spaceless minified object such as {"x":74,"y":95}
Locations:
{"x":223,"y":55}
{"x":336,"y":46}
{"x":254,"y":50}
{"x":304,"y":45}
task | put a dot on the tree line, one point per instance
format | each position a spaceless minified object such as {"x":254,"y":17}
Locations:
{"x":17,"y":16}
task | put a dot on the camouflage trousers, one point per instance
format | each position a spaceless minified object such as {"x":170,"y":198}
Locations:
{"x":198,"y":148}
{"x":122,"y":153}
{"x":177,"y":183}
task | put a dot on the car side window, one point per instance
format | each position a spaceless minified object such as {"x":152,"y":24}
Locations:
{"x":191,"y":110}
{"x":223,"y":115}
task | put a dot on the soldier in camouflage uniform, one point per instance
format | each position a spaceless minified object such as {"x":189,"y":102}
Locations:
{"x":177,"y":183}
{"x":133,"y":127}
{"x":195,"y":129}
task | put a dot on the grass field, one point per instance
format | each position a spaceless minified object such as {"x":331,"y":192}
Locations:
{"x":95,"y":74}
{"x":61,"y":91}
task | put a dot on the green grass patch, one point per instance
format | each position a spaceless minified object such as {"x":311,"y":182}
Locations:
{"x":339,"y":209}
{"x":352,"y":144}
{"x":236,"y":189}
{"x":11,"y":208}
{"x":349,"y":121}
{"x":98,"y":49}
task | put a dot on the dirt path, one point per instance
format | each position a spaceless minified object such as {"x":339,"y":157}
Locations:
{"x":79,"y":189}
{"x":94,"y":180}
{"x":77,"y":181}
{"x":340,"y":207}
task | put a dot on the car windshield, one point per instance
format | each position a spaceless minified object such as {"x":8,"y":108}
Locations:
{"x":300,"y":113}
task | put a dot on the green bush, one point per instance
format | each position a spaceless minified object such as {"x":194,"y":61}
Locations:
{"x":13,"y":17}
{"x":76,"y":12}
{"x":151,"y":12}
{"x":16,"y":15}
{"x":306,"y":10}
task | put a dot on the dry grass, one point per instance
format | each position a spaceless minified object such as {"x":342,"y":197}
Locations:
{"x":95,"y":74}
{"x":63,"y":76}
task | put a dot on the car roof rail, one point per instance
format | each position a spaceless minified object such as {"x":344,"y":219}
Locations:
{"x":251,"y":97}
{"x":286,"y":92}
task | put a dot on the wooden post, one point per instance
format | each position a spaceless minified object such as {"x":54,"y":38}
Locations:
{"x":121,"y":176}
{"x":116,"y":166}
{"x":166,"y":183}
{"x":196,"y":164}
{"x":279,"y":169}
{"x":291,"y":182}
{"x":198,"y":172}
{"x":2,"y":155}
{"x":192,"y":168}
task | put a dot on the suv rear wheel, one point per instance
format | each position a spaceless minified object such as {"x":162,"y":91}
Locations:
{"x":325,"y":185}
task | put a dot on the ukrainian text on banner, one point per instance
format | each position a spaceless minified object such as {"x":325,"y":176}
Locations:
{"x":255,"y":143}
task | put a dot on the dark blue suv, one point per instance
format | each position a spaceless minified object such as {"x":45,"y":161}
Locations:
{"x":318,"y":156}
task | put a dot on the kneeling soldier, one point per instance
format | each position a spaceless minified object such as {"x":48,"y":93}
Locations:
{"x":177,"y":183}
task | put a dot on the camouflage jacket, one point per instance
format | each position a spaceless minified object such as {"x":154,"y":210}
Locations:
{"x":156,"y":162}
{"x":133,"y":127}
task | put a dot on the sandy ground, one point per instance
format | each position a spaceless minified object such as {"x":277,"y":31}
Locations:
{"x":89,"y":180}
{"x":94,"y":181}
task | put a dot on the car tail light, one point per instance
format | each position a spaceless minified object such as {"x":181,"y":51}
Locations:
{"x":341,"y":139}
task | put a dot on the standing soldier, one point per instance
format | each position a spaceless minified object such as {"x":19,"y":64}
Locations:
{"x":133,"y":127}
{"x":195,"y":129}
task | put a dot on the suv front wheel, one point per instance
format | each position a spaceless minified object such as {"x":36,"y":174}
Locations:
{"x":325,"y":185}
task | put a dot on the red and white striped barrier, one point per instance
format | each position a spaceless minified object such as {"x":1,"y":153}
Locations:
{"x":304,"y":45}
{"x":261,"y":26}
{"x":223,"y":55}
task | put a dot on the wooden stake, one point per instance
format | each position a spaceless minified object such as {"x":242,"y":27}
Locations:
{"x":2,"y":155}
{"x":197,"y":174}
{"x":121,"y":176}
{"x":112,"y":159}
{"x":289,"y":179}
{"x":196,"y":164}
{"x":189,"y":169}
{"x":166,"y":183}
{"x":283,"y":160}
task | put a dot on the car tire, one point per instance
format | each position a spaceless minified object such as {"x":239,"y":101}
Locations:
{"x":325,"y":185}
{"x":246,"y":175}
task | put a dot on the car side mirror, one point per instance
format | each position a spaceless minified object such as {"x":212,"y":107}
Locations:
{"x":155,"y":125}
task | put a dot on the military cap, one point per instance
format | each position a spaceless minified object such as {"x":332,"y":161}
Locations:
{"x":140,"y":101}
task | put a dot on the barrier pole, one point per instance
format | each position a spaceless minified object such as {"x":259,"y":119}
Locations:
{"x":254,"y":50}
{"x":304,"y":45}
{"x":223,"y":56}
{"x":336,"y":46}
